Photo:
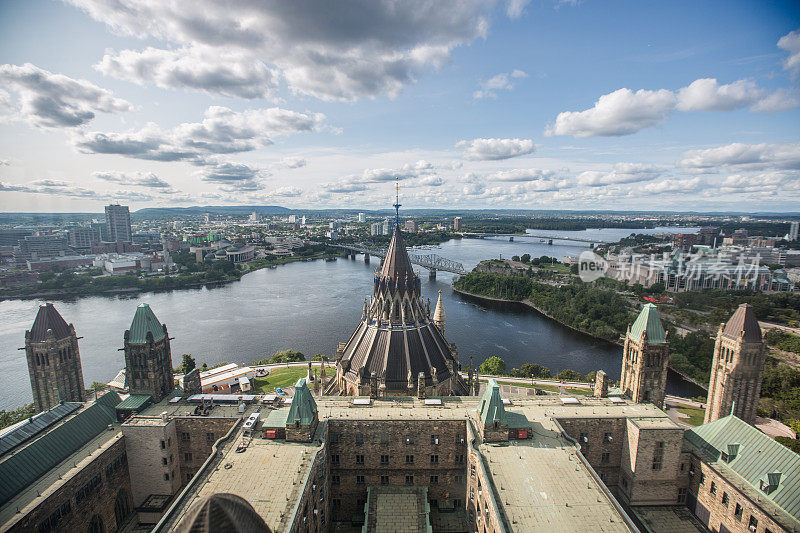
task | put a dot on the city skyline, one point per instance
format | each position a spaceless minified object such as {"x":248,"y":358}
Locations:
{"x":513,"y":105}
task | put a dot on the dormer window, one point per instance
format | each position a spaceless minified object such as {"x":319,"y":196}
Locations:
{"x":771,"y":482}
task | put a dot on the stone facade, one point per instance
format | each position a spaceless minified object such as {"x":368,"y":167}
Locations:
{"x":644,"y":370}
{"x":153,"y":457}
{"x":191,"y":382}
{"x":723,"y":507}
{"x":98,"y":492}
{"x":54,"y":361}
{"x":149,"y":366}
{"x":196,"y":437}
{"x":312,"y":513}
{"x":483,"y":514}
{"x":601,"y":441}
{"x":735,"y":385}
{"x":394,"y":452}
{"x":601,"y":384}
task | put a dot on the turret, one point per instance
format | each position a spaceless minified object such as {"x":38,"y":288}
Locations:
{"x":439,"y":317}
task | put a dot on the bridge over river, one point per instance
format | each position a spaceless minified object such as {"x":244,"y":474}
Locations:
{"x":432,"y":262}
{"x":548,"y":238}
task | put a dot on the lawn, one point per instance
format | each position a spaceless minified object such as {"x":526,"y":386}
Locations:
{"x":281,"y":377}
{"x":696,"y":415}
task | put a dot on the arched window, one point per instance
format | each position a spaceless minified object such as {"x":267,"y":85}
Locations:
{"x":96,"y":525}
{"x":37,"y":359}
{"x":122,"y":507}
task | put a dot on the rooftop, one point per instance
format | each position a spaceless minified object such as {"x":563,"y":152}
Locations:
{"x":48,"y":319}
{"x":144,"y":322}
{"x":743,"y":322}
{"x":649,"y":323}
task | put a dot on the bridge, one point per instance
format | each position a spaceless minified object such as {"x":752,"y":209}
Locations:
{"x":549,"y":238}
{"x":432,"y":262}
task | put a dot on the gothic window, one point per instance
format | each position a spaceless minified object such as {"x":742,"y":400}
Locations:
{"x":96,"y":525}
{"x":122,"y":507}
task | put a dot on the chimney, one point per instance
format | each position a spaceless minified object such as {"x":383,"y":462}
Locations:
{"x":421,"y":386}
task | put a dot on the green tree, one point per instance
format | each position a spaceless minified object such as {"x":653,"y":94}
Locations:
{"x":188,"y":363}
{"x":569,"y":375}
{"x":493,"y":365}
{"x":287,"y":356}
{"x":526,"y":258}
{"x":8,"y":418}
{"x":515,"y":258}
{"x":319,"y":357}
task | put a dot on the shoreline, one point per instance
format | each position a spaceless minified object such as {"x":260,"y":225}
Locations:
{"x":69,"y":295}
{"x":530,"y":305}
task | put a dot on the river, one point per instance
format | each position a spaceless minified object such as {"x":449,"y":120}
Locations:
{"x":310,"y":307}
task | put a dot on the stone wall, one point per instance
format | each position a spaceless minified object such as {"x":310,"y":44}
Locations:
{"x":313,"y":512}
{"x":650,"y":464}
{"x":717,"y":500}
{"x":604,"y":455}
{"x":483,"y":514}
{"x":372,"y":452}
{"x":90,"y":492}
{"x":196,"y":436}
{"x":153,"y":460}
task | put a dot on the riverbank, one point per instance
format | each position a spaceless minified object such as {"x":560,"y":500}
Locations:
{"x":163,"y":283}
{"x":530,"y":305}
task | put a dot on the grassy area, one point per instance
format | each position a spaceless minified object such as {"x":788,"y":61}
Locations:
{"x":281,"y":377}
{"x":696,"y":415}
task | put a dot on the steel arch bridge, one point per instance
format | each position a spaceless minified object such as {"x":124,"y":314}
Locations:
{"x":432,"y":262}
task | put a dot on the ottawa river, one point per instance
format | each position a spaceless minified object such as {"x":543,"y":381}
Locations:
{"x":310,"y":307}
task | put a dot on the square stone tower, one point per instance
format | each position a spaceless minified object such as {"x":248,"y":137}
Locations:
{"x":148,"y":359}
{"x":645,"y":359}
{"x":54,"y":361}
{"x":736,"y":368}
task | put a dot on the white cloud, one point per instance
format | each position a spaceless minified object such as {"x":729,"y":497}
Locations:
{"x":62,"y":188}
{"x":672,"y":186}
{"x":778,"y":101}
{"x":140,"y":179}
{"x":499,"y":82}
{"x":707,"y":94}
{"x":745,"y":156}
{"x":520,"y":174}
{"x":55,"y":100}
{"x":212,"y":70}
{"x":293,"y":162}
{"x":621,"y":112}
{"x":419,"y":174}
{"x":494,"y":149}
{"x":621,"y":173}
{"x":342,"y":51}
{"x":516,"y":8}
{"x":791,"y":43}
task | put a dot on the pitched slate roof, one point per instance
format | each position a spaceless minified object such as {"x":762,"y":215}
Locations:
{"x":48,"y":318}
{"x":491,"y":408}
{"x":145,"y":321}
{"x":757,"y":457}
{"x":134,"y":402}
{"x":28,"y":464}
{"x":743,"y":320}
{"x":397,"y":265}
{"x":24,"y":431}
{"x":303,"y":405}
{"x":649,"y":322}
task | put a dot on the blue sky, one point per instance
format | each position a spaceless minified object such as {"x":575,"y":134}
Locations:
{"x":475,"y":104}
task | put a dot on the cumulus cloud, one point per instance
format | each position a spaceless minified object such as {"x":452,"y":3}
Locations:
{"x":68,"y":189}
{"x":619,"y":113}
{"x":227,"y":172}
{"x":53,"y":100}
{"x":141,"y":179}
{"x":516,"y":8}
{"x":744,"y":156}
{"x":621,"y":173}
{"x":499,"y":82}
{"x":419,"y":174}
{"x":707,"y":94}
{"x":673,"y":186}
{"x":341,"y":51}
{"x":520,"y":174}
{"x":761,"y":182}
{"x":791,"y":43}
{"x":293,"y":162}
{"x":494,"y":149}
{"x":778,"y":101}
{"x":212,"y":70}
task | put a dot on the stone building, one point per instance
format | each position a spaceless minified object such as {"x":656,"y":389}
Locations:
{"x":645,"y":359}
{"x":736,"y":368}
{"x":397,"y":341}
{"x":148,"y":359}
{"x":54,"y":361}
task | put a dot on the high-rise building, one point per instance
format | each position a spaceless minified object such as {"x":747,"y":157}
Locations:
{"x":81,"y":238}
{"x":375,"y":228}
{"x":118,"y":223}
{"x":794,"y":227}
{"x":456,"y":223}
{"x":255,"y":218}
{"x":411,"y":226}
{"x":35,"y":247}
{"x":303,"y":220}
{"x":645,"y":358}
{"x":148,"y":359}
{"x":54,"y":361}
{"x":362,"y":217}
{"x":736,"y":368}
{"x":292,"y":219}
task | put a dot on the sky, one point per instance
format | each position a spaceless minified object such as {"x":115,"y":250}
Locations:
{"x":310,"y":104}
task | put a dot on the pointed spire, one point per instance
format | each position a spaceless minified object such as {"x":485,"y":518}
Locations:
{"x":744,"y":323}
{"x":439,"y":317}
{"x":48,"y":319}
{"x":397,"y":265}
{"x":648,"y":324}
{"x":144,"y":321}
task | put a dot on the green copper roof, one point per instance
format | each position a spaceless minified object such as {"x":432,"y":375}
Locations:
{"x":33,"y":461}
{"x":649,"y":321}
{"x":143,"y":321}
{"x":492,"y":409}
{"x":303,"y":405}
{"x":134,"y":402}
{"x":757,"y":458}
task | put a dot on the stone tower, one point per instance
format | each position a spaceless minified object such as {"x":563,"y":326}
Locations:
{"x":736,"y":368}
{"x":439,"y":318}
{"x":645,"y":358}
{"x":54,"y":361}
{"x":148,"y":359}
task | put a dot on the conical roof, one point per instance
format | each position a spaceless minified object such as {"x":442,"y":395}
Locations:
{"x":48,"y":318}
{"x":650,"y":322}
{"x":743,"y":320}
{"x":222,"y":512}
{"x":145,"y":321}
{"x":397,"y":265}
{"x":303,"y":405}
{"x":492,"y":409}
{"x":438,"y":314}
